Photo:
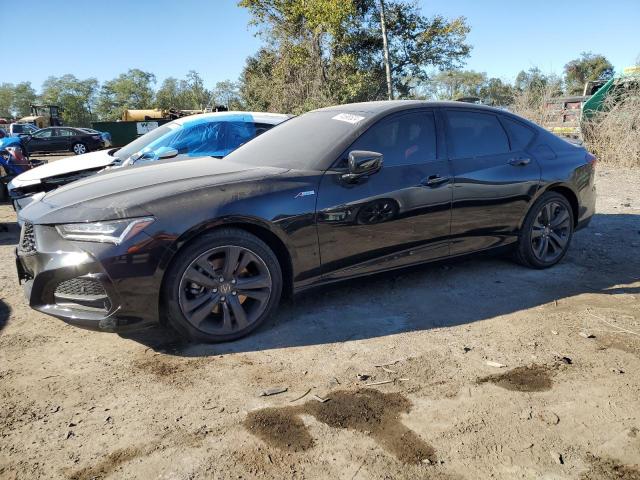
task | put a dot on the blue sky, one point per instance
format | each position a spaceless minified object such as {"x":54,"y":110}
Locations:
{"x":171,"y":37}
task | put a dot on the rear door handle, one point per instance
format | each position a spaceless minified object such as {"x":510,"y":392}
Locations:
{"x":519,"y":162}
{"x":434,"y":180}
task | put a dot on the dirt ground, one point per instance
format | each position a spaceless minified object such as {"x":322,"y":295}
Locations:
{"x":565,"y":404}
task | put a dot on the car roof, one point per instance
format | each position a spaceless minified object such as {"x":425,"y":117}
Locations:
{"x":258,"y":117}
{"x":378,"y":109}
{"x":388,"y":106}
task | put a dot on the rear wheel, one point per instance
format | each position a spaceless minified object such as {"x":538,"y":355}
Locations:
{"x":79,"y":148}
{"x":547,"y":232}
{"x":222,"y":286}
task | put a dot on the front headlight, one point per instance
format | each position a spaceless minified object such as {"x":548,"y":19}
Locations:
{"x":113,"y":231}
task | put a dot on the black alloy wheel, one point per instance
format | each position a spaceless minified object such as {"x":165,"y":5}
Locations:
{"x":223,"y":286}
{"x":225,"y":290}
{"x":547,"y":232}
{"x":551,"y":231}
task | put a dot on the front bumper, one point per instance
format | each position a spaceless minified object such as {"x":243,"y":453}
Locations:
{"x":98,"y":286}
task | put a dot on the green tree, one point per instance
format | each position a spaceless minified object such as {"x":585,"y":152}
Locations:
{"x":76,"y":97}
{"x":168,"y":94}
{"x":131,"y":90}
{"x":6,"y":100}
{"x":192,"y":93}
{"x":496,"y":92}
{"x":186,"y":94}
{"x":23,"y":97}
{"x":330,"y":51}
{"x":227,"y":94}
{"x":453,"y":84}
{"x":587,"y":67}
{"x":536,"y":82}
{"x":418,"y":43}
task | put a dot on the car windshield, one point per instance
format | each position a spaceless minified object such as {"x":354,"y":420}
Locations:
{"x":193,"y":139}
{"x":309,"y":142}
{"x":141,"y":142}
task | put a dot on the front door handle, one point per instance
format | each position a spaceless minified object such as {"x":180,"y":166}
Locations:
{"x":519,"y":162}
{"x":433,"y":180}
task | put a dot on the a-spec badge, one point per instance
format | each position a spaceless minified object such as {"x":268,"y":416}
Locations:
{"x":305,"y":194}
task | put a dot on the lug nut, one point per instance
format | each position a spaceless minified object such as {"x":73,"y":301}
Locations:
{"x":223,"y":299}
{"x":233,"y":281}
{"x":215,"y":290}
{"x":234,"y":293}
{"x":222,"y":279}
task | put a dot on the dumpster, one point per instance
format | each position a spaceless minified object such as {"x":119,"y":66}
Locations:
{"x":126,"y":132}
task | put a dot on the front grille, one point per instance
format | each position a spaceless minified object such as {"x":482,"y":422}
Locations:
{"x":28,"y":239}
{"x":82,"y":293}
{"x":80,"y":287}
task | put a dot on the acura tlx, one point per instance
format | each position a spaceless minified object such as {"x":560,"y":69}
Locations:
{"x":210,"y":247}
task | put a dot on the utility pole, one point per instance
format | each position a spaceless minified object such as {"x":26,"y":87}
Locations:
{"x":385,"y":49}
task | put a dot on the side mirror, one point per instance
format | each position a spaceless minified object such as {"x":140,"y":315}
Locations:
{"x":362,"y":164}
{"x":159,"y":154}
{"x":166,"y":152}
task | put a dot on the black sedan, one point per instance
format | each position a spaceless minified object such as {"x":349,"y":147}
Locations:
{"x":63,"y":139}
{"x":337,"y":193}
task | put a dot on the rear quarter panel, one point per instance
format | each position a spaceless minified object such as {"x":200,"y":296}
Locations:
{"x":567,"y":166}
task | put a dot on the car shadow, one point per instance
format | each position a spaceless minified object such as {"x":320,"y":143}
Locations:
{"x":5,"y":312}
{"x":604,"y":259}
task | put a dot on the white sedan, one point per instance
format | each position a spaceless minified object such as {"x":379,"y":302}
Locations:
{"x":208,"y":134}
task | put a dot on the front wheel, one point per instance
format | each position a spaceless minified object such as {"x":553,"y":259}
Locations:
{"x":222,"y":286}
{"x":79,"y":148}
{"x":547,"y":232}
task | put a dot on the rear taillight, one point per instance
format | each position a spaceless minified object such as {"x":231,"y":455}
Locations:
{"x":591,"y":159}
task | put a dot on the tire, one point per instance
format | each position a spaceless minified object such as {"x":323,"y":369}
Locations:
{"x":556,"y":231}
{"x":79,"y":148}
{"x":214,"y":310}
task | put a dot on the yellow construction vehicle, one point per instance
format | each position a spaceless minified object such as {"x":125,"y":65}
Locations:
{"x":44,"y":116}
{"x":156,"y":114}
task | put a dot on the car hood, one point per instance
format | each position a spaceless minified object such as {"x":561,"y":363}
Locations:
{"x":131,"y":192}
{"x":66,"y":165}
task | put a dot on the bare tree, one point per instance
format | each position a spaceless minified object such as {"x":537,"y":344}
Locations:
{"x":385,"y":48}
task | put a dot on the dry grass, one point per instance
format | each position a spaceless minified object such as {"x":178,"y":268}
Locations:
{"x":530,"y":104}
{"x":613,"y":134}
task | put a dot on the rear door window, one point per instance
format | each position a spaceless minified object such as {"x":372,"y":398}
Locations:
{"x":475,"y":134}
{"x":519,"y":135}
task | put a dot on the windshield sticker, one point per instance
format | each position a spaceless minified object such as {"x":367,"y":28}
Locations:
{"x":348,"y":117}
